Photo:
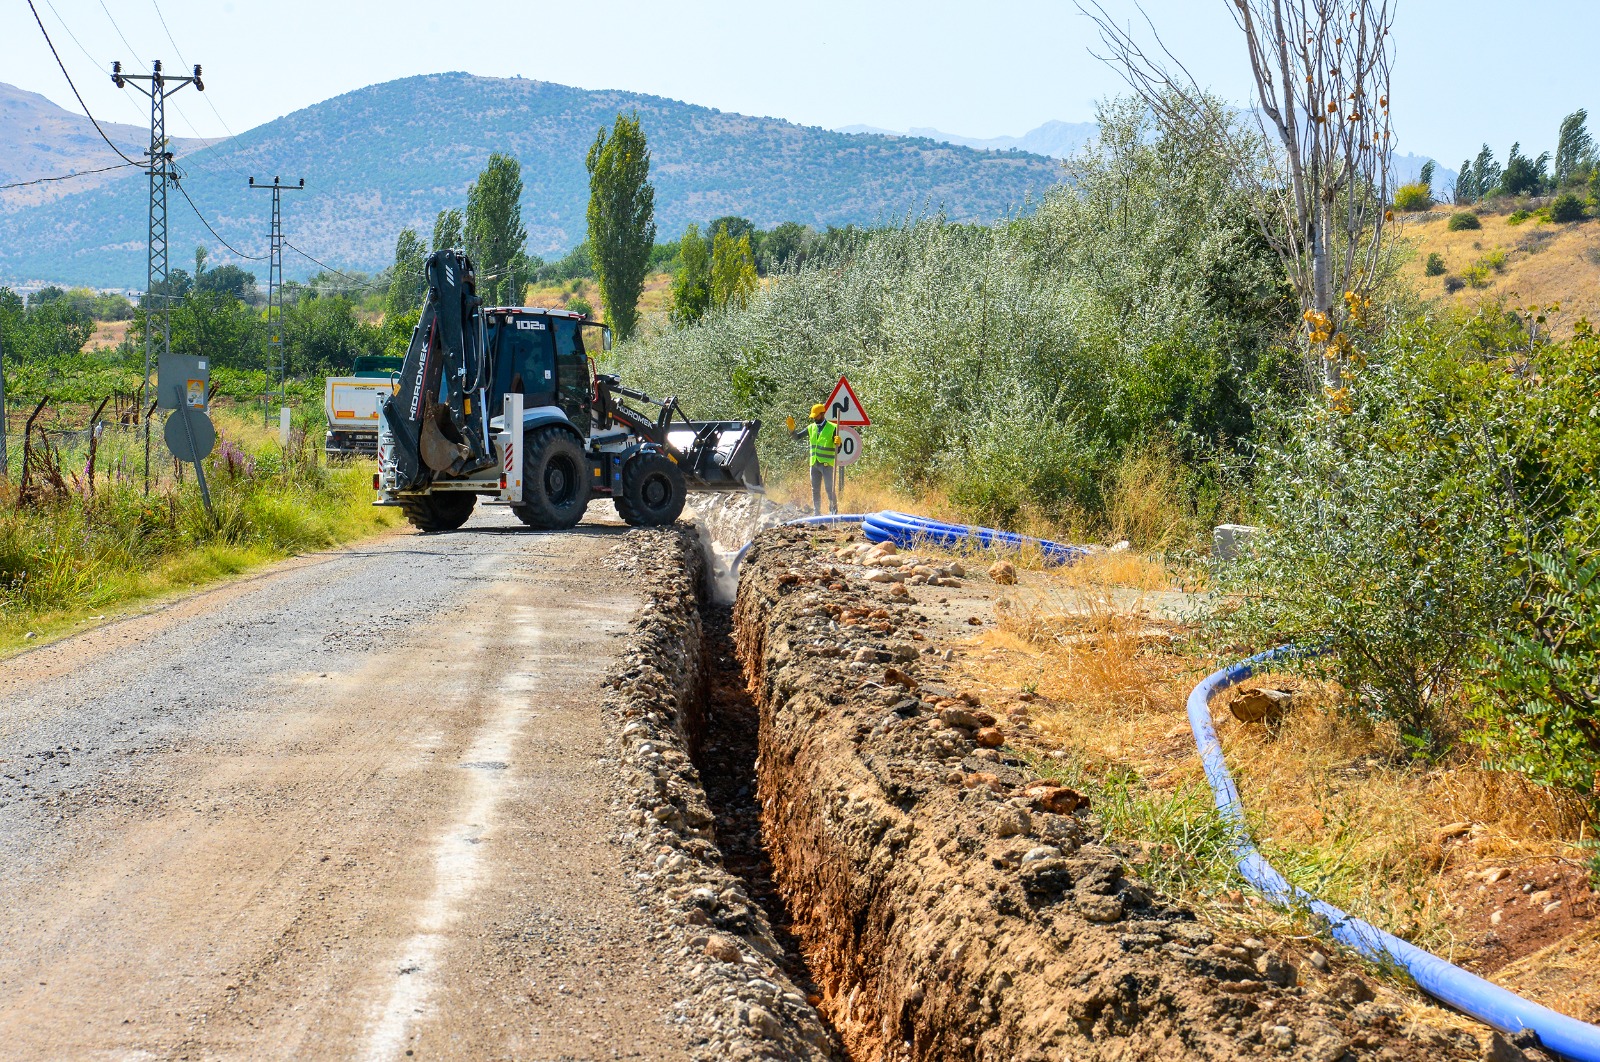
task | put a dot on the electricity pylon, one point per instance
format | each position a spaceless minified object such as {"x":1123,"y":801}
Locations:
{"x":158,"y":87}
{"x":275,"y":288}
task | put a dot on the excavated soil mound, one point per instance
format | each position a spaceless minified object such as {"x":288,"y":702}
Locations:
{"x":950,"y":907}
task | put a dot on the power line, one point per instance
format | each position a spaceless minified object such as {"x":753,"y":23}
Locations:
{"x":327,"y":267}
{"x":213,"y":106}
{"x":68,"y":176}
{"x":74,"y":87}
{"x":116,"y":27}
{"x":86,"y":54}
{"x":185,"y":193}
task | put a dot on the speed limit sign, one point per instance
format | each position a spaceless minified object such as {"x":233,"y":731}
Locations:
{"x":849,"y":447}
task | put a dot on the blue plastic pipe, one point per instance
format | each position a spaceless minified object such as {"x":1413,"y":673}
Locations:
{"x":1467,"y":992}
{"x":909,"y":531}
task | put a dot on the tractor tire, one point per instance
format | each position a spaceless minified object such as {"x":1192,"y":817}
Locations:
{"x":653,"y":491}
{"x":438,"y":512}
{"x":555,"y":480}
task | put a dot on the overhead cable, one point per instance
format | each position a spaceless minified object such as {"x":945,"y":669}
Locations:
{"x":74,"y":87}
{"x":185,"y":193}
{"x":67,"y":176}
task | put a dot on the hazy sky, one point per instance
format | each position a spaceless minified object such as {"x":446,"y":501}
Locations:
{"x":1468,"y":70}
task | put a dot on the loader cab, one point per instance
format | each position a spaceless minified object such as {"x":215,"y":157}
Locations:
{"x":544,"y":354}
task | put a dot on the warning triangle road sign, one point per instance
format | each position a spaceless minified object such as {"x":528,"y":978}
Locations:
{"x":844,"y":408}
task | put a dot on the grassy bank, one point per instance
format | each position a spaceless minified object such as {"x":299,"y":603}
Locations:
{"x":84,"y":546}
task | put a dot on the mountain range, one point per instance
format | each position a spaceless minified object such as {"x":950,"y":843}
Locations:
{"x":392,"y":155}
{"x":1062,"y":140}
{"x":1057,"y":140}
{"x":39,"y":139}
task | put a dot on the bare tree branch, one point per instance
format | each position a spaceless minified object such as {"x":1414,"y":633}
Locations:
{"x":1319,"y":169}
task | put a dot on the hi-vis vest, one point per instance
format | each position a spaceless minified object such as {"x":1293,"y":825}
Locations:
{"x":824,"y":440}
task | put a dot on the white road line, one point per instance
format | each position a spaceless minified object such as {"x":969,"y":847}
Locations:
{"x":458,"y":857}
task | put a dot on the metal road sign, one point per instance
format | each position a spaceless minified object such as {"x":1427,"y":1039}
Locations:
{"x":844,"y":408}
{"x":849,"y":447}
{"x":191,"y":441}
{"x":183,"y":374}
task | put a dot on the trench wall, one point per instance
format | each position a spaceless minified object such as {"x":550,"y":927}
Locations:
{"x":945,"y":905}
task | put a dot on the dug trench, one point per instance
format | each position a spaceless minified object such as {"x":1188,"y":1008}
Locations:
{"x":935,"y":898}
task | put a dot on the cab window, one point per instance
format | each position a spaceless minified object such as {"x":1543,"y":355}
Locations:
{"x":525,"y":362}
{"x":572,"y":369}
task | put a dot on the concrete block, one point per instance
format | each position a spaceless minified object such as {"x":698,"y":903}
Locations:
{"x":1228,"y":540}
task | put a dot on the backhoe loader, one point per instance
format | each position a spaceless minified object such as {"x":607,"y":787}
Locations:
{"x":504,"y":403}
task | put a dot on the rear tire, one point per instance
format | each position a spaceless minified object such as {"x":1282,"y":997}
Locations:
{"x":438,"y":512}
{"x":653,"y":491}
{"x":555,"y":480}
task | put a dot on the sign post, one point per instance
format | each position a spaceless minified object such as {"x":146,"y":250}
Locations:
{"x":184,"y":386}
{"x":846,"y":411}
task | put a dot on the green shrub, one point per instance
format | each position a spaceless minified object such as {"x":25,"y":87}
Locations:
{"x":1517,"y":217}
{"x":1567,"y":207}
{"x":1413,"y":197}
{"x":1453,"y":284}
{"x":1476,"y":275}
{"x":579,"y":304}
{"x":1435,"y":266}
{"x":1495,"y":260}
{"x":1539,"y":708}
{"x":1537,"y":705}
{"x":1463,"y":220}
{"x":1384,"y":530}
{"x":1010,"y":366}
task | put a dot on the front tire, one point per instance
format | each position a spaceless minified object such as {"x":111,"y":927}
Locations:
{"x":653,"y":491}
{"x":555,"y":480}
{"x":438,"y":512}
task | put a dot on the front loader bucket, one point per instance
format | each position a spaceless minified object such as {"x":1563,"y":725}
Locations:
{"x":720,"y":455}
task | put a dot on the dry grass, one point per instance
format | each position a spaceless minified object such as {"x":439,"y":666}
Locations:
{"x":107,"y":334}
{"x":1337,"y":805}
{"x":654,"y":300}
{"x":1544,"y":264}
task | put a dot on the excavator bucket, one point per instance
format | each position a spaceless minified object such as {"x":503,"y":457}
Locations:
{"x":718,"y":455}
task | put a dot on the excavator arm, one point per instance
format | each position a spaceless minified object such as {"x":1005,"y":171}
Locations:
{"x":438,"y":417}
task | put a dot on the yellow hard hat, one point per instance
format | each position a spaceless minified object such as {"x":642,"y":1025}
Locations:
{"x":818,"y":410}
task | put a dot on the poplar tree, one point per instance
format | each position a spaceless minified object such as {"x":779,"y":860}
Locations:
{"x":447,"y":230}
{"x":1574,"y":147}
{"x":733,"y":269}
{"x":1486,"y":173}
{"x":406,"y":282}
{"x":622,"y":228}
{"x":691,"y":288}
{"x":493,"y":230}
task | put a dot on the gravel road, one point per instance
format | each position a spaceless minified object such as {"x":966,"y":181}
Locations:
{"x":354,"y":807}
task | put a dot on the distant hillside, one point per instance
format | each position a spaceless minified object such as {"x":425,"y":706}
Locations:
{"x":1054,"y":139}
{"x":392,"y":155}
{"x":39,"y":139}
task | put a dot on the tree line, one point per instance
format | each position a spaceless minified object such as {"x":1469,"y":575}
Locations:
{"x":1573,"y":170}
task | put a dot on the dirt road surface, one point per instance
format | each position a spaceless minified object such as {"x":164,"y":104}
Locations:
{"x":351,"y":808}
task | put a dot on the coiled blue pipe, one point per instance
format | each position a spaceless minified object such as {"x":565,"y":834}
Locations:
{"x":1469,"y":993}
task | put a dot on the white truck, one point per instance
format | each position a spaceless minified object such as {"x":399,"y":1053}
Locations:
{"x":351,"y":404}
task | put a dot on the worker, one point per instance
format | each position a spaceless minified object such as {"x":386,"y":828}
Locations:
{"x":823,"y":437}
